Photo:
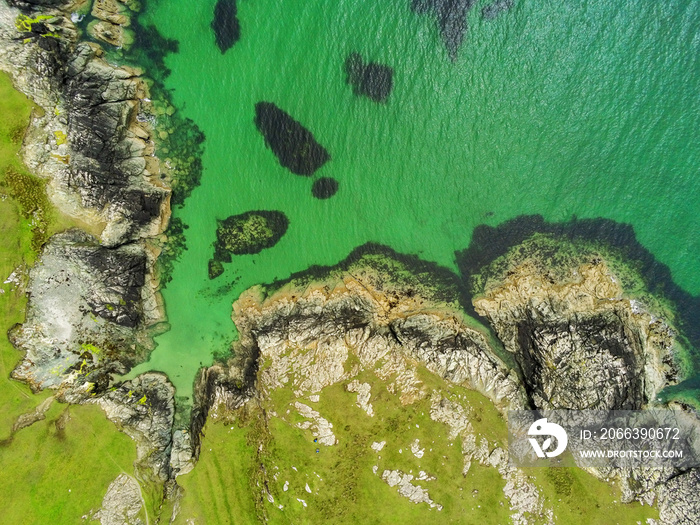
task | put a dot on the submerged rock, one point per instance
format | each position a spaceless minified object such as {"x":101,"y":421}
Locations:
{"x":293,"y":144}
{"x":247,"y":233}
{"x":451,"y":16}
{"x":491,"y":11}
{"x":324,"y":188}
{"x":371,"y":80}
{"x":215,"y":268}
{"x":226,"y":26}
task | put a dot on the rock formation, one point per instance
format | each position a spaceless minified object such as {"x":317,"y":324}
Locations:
{"x":578,"y":339}
{"x":93,"y":302}
{"x":247,"y":233}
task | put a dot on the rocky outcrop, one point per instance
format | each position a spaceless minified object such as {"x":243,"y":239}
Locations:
{"x":93,"y":141}
{"x":144,"y":409}
{"x":112,"y":19}
{"x":578,"y":339}
{"x":348,"y":314}
{"x":122,"y":503}
{"x":89,"y":308}
{"x":679,"y":499}
{"x":93,"y":301}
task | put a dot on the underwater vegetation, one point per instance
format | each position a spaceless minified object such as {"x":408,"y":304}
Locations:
{"x":294,"y":146}
{"x":324,"y":188}
{"x":226,"y":26}
{"x":372,"y":80}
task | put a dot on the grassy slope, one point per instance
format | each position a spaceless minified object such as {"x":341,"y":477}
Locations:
{"x":47,"y":474}
{"x":225,"y":486}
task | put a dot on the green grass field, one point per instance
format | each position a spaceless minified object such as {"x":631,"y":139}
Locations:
{"x":258,"y":450}
{"x":58,"y":469}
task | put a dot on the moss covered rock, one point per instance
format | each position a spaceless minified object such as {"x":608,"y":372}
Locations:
{"x":247,"y":233}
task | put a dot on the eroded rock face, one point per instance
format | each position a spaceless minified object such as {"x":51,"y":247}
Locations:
{"x":348,"y":315}
{"x":92,"y":143}
{"x":108,"y":163}
{"x":88,"y":310}
{"x":679,"y":499}
{"x":579,"y":341}
{"x":122,"y":503}
{"x":294,"y":146}
{"x":144,"y":409}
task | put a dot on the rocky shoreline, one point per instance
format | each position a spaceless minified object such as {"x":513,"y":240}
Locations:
{"x":550,"y":319}
{"x":94,"y":303}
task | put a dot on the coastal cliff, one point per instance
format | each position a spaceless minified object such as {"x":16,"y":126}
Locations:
{"x":572,"y":337}
{"x":93,"y":297}
{"x":562,"y":331}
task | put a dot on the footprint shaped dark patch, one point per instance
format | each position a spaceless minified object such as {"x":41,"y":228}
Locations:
{"x":324,"y":188}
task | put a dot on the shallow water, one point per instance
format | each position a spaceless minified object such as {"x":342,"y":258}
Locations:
{"x":588,"y":108}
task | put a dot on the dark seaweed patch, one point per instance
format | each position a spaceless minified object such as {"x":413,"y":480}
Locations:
{"x":293,"y":144}
{"x":150,"y":49}
{"x":324,"y":188}
{"x":215,"y":268}
{"x":443,"y":283}
{"x":494,"y":9}
{"x":372,"y":80}
{"x":451,"y":16}
{"x":227,"y":29}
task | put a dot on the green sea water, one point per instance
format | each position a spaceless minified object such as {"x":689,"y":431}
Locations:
{"x":586,"y":108}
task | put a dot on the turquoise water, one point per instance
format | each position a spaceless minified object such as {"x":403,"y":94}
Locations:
{"x":584,"y":108}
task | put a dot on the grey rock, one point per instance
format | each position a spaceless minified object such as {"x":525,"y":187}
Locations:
{"x":679,"y":499}
{"x":85,"y":316}
{"x":578,"y":341}
{"x":122,"y":503}
{"x":144,"y":408}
